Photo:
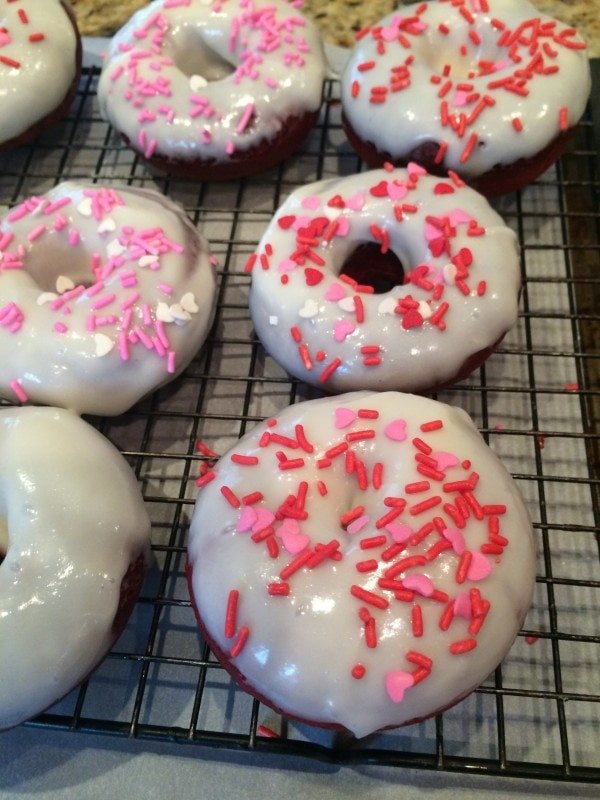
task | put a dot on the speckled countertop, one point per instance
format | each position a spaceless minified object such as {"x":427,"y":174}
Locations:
{"x":339,"y":19}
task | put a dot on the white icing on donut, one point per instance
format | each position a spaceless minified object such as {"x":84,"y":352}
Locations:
{"x":38,"y":62}
{"x":362,"y":561}
{"x":189,"y":80}
{"x":461,"y":297}
{"x":75,"y":523}
{"x":105,"y":294}
{"x":490,"y":81}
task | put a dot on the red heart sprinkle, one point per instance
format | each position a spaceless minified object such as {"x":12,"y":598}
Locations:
{"x":380,"y":190}
{"x":443,"y":188}
{"x":313,"y":276}
{"x":412,"y":319}
{"x":286,"y":222}
{"x":336,"y":201}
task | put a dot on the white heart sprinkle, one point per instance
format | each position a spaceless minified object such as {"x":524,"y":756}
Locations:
{"x":387,"y":305}
{"x":85,"y":207}
{"x":273,"y":320}
{"x":449,"y":272}
{"x":146,"y":261}
{"x":178,"y":313}
{"x":46,"y":297}
{"x":347,"y":304}
{"x":309,"y":309}
{"x":115,"y":248}
{"x":103,"y":344}
{"x":425,"y":309}
{"x":63,"y":284}
{"x":107,"y":225}
{"x":188,"y":303}
{"x":197,"y":82}
{"x":163,"y":313}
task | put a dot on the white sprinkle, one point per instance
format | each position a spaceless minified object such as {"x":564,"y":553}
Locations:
{"x":46,"y":297}
{"x":310,"y":309}
{"x":64,"y":284}
{"x":107,"y":225}
{"x":163,"y":312}
{"x":387,"y":305}
{"x":85,"y":207}
{"x":103,"y":344}
{"x":273,"y":320}
{"x":188,"y":303}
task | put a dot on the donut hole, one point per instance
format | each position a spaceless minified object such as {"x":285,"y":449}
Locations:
{"x":3,"y":539}
{"x":368,"y":266}
{"x":52,"y":267}
{"x":196,"y":59}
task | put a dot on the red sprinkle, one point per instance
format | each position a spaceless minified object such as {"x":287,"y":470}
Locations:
{"x":240,"y":642}
{"x":231,"y":614}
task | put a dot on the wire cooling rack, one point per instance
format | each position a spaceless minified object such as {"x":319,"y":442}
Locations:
{"x":536,"y":401}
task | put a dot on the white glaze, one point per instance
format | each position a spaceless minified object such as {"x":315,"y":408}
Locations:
{"x":412,"y":115}
{"x":324,"y":315}
{"x":216,"y":62}
{"x":47,"y":67}
{"x":76,"y":521}
{"x":301,"y":648}
{"x":79,"y":352}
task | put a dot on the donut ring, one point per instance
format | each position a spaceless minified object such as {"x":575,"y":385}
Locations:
{"x":105,"y":294}
{"x":491,"y":89}
{"x":214,"y":90}
{"x":442,"y":308}
{"x":67,"y":586}
{"x":361,"y":562}
{"x":40,"y":65}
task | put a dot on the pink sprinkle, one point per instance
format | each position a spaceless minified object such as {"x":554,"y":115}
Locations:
{"x":36,"y":232}
{"x":73,"y":237}
{"x":60,"y":327}
{"x":479,"y":568}
{"x":102,"y":302}
{"x":230,"y":148}
{"x":358,"y":524}
{"x":123,"y":346}
{"x":171,"y":359}
{"x":456,"y":539}
{"x":18,"y":391}
{"x":165,"y":288}
{"x":396,"y":430}
{"x":343,"y":417}
{"x":462,"y":605}
{"x":419,"y":583}
{"x":396,"y":684}
{"x":399,"y":532}
{"x":130,"y":301}
{"x":245,"y":118}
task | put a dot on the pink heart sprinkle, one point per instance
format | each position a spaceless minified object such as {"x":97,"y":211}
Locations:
{"x":396,"y":191}
{"x":431,"y":232}
{"x":396,"y":430}
{"x":246,"y":519}
{"x":312,"y":202}
{"x":356,"y":202}
{"x":419,"y":583}
{"x":415,"y":169}
{"x":264,"y":518}
{"x":399,"y":532}
{"x":460,"y":98}
{"x":343,"y":226}
{"x":457,"y":216}
{"x":288,"y":526}
{"x":445,"y":460}
{"x":287,"y":265}
{"x":456,"y":539}
{"x":343,"y":417}
{"x":343,"y":328}
{"x":4,"y":38}
{"x":462,"y":605}
{"x":335,"y":292}
{"x":294,"y":543}
{"x":301,"y":222}
{"x":479,"y":568}
{"x":358,"y":524}
{"x":396,"y":683}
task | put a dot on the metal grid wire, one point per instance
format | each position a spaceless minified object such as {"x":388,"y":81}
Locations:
{"x":536,"y":401}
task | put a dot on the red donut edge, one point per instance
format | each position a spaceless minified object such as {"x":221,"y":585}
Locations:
{"x":242,"y":163}
{"x":501,"y":179}
{"x":241,"y":681}
{"x":62,"y":109}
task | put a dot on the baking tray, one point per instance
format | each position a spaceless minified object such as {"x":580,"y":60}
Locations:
{"x":536,"y":401}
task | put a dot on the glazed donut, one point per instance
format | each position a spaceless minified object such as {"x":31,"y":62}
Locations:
{"x":390,"y":279}
{"x":361,"y":562}
{"x":491,"y":89}
{"x":40,"y":65}
{"x":214,"y":90}
{"x":105,"y":294}
{"x":73,"y":549}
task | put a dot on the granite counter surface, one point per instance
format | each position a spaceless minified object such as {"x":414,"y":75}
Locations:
{"x":340,"y":19}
